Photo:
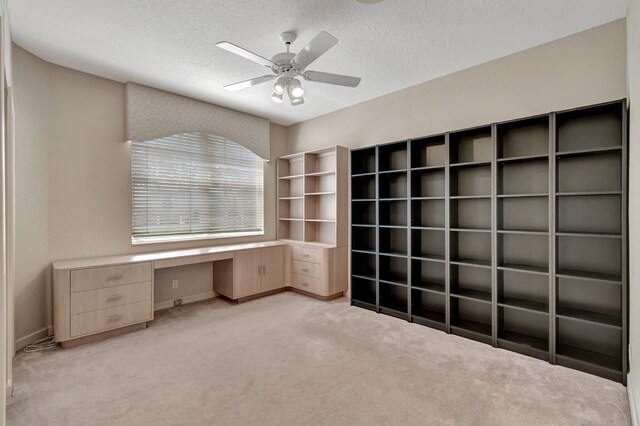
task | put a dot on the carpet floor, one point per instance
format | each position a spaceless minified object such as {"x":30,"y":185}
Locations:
{"x":288,"y":359}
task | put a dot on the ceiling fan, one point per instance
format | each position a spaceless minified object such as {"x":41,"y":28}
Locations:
{"x":287,"y":66}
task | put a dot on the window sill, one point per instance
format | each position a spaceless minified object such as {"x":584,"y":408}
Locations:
{"x":182,"y":238}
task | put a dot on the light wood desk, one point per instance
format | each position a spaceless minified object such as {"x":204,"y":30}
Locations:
{"x":96,"y":298}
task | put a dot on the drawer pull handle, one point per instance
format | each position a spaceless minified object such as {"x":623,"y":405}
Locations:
{"x":305,"y":270}
{"x":114,"y":318}
{"x":114,"y":277}
{"x":259,"y":270}
{"x":305,"y":284}
{"x":264,"y":270}
{"x":305,"y":255}
{"x":114,"y":297}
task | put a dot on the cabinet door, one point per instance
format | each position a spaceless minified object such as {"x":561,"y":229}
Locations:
{"x":273,"y":268}
{"x":248,"y":271}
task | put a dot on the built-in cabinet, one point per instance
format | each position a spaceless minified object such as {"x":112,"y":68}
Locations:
{"x":255,"y":271}
{"x":313,"y":205}
{"x":513,"y":234}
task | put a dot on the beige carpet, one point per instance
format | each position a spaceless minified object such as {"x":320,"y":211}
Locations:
{"x":289,"y":360}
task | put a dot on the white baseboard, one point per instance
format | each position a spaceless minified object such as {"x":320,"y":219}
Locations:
{"x":632,"y":401}
{"x":33,"y":337}
{"x":186,"y":299}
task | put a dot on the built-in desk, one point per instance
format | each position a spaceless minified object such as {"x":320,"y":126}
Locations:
{"x":99,"y":297}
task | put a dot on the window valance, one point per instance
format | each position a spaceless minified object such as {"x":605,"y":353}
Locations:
{"x":154,"y":114}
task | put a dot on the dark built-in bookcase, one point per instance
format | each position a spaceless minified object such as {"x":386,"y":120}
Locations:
{"x":513,"y":234}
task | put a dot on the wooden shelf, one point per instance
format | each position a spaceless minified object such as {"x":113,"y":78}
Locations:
{"x":593,"y":151}
{"x":471,"y":164}
{"x":472,"y":326}
{"x":365,"y":277}
{"x":469,"y":197}
{"x":291,"y":219}
{"x":586,"y":193}
{"x":290,"y":177}
{"x":427,"y":228}
{"x":480,"y":296}
{"x":472,"y":262}
{"x":522,"y":158}
{"x":588,"y":234}
{"x":594,"y":276}
{"x":383,"y":172}
{"x":523,"y":268}
{"x":540,"y":194}
{"x":290,"y":198}
{"x":527,"y":305}
{"x":427,"y":168}
{"x":436,"y":317}
{"x":592,"y":317}
{"x":588,"y":357}
{"x":320,"y":193}
{"x":521,"y":232}
{"x":430,"y":258}
{"x":432,"y":287}
{"x":470,"y":230}
{"x":525,"y":340}
{"x":324,"y":173}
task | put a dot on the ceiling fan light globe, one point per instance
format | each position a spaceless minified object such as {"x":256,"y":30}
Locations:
{"x":296,"y":88}
{"x":277,"y":97}
{"x":281,"y":84}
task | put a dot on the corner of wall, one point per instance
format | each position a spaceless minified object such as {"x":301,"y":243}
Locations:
{"x":633,"y":90}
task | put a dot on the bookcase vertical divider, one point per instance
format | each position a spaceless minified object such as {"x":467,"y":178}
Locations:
{"x":494,"y":235}
{"x":553,"y":210}
{"x":409,"y":233}
{"x":447,"y":235}
{"x":625,"y":243}
{"x":377,"y":196}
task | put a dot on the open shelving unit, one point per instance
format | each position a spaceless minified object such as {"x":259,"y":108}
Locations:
{"x":310,"y":202}
{"x":590,"y":233}
{"x":513,"y":234}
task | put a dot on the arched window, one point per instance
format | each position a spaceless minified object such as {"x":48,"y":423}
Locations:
{"x":195,"y":186}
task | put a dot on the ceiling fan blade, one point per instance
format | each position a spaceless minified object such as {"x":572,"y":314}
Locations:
{"x":325,"y":77}
{"x":248,"y":83}
{"x":312,"y":51}
{"x":230,"y":47}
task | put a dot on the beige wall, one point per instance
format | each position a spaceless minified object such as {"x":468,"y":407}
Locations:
{"x":73,"y":182}
{"x":582,"y":69}
{"x":34,"y":124}
{"x":633,"y":74}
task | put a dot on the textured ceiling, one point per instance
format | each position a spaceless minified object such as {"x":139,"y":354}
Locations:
{"x":392,"y":45}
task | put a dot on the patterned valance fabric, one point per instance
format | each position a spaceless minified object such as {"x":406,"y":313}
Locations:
{"x":154,"y":114}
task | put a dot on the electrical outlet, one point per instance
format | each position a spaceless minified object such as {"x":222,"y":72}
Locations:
{"x":177,"y":302}
{"x":174,"y":284}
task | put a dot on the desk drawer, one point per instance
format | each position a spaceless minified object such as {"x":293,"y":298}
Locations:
{"x":91,"y":300}
{"x":306,"y":254}
{"x":303,"y":282}
{"x":110,"y":276}
{"x":107,"y":319}
{"x":306,"y":268}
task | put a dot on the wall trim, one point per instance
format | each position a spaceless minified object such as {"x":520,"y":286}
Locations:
{"x":30,"y":338}
{"x":632,"y":401}
{"x":157,"y":306}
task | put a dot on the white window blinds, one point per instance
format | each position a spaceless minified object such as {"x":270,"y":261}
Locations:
{"x":195,"y":185}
